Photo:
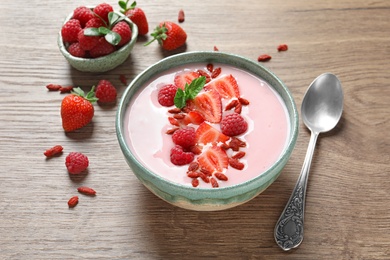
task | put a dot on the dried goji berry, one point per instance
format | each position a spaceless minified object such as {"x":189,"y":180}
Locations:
{"x":221,"y":176}
{"x":195,"y":183}
{"x":175,"y":110}
{"x":210,"y":67}
{"x":53,"y":87}
{"x":86,"y":190}
{"x":181,"y":17}
{"x":243,"y":101}
{"x":55,"y":150}
{"x":216,"y":72}
{"x":123,"y":79}
{"x":216,"y":48}
{"x":238,"y":108}
{"x":231,"y":104}
{"x":282,"y":47}
{"x":214,"y":182}
{"x":239,"y":155}
{"x":193,"y":174}
{"x":264,"y":57}
{"x":72,"y":202}
{"x":171,"y":131}
{"x":193,"y":166}
{"x":173,"y":121}
{"x":236,"y":164}
{"x":66,"y":89}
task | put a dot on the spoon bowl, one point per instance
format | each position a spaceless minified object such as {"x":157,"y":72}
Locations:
{"x":321,"y":110}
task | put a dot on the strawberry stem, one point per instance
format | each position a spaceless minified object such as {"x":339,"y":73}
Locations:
{"x":159,"y":34}
{"x":90,"y":96}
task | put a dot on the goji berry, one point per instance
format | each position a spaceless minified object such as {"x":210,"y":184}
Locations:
{"x":210,"y":67}
{"x":123,"y":79}
{"x":236,"y":164}
{"x":55,"y":150}
{"x":282,"y":47}
{"x":214,"y":183}
{"x":66,"y":89}
{"x":72,"y":202}
{"x":221,"y":176}
{"x":243,"y":101}
{"x":264,"y":57}
{"x":216,"y":72}
{"x":86,"y":190}
{"x":53,"y":87}
{"x":181,"y":16}
{"x":195,"y":182}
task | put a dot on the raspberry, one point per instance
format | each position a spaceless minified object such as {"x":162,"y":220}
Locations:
{"x":233,"y":124}
{"x":95,"y":22}
{"x":102,"y":11}
{"x":76,"y":162}
{"x":70,"y":30}
{"x":166,"y":95}
{"x":123,"y":29}
{"x":105,"y":91}
{"x":185,"y":137}
{"x":102,"y":48}
{"x":87,"y":42}
{"x":83,"y":14}
{"x":180,"y":157}
{"x":75,"y":50}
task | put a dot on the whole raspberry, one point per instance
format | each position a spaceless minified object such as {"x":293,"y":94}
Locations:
{"x":166,"y":95}
{"x":233,"y":124}
{"x":105,"y":91}
{"x":87,"y":42}
{"x":102,"y":48}
{"x":75,"y":50}
{"x":95,"y":22}
{"x":76,"y":162}
{"x":185,"y":137}
{"x":70,"y":30}
{"x":180,"y":157}
{"x":123,"y":29}
{"x":83,"y":14}
{"x":102,"y":11}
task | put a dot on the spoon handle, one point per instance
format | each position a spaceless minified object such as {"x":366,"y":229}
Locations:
{"x":289,"y":228}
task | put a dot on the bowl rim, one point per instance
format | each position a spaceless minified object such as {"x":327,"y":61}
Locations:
{"x":200,"y":193}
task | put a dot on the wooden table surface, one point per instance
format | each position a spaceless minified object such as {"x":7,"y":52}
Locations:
{"x":347,"y":208}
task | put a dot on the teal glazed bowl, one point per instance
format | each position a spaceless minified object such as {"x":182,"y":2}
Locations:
{"x":206,"y":199}
{"x":101,"y":64}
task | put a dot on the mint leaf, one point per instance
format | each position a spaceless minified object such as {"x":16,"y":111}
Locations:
{"x":190,"y":91}
{"x":92,"y":32}
{"x":113,"y":37}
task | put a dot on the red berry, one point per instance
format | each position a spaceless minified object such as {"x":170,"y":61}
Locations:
{"x":105,"y":91}
{"x":185,"y":137}
{"x":123,"y":29}
{"x":137,"y":16}
{"x":233,"y":124}
{"x":166,"y":95}
{"x":87,"y":42}
{"x":102,"y":11}
{"x":180,"y":157}
{"x":86,"y":190}
{"x":76,"y":162}
{"x":70,"y":30}
{"x":72,"y":202}
{"x":102,"y":48}
{"x":95,"y":22}
{"x":83,"y":14}
{"x":75,"y":50}
{"x":55,"y":150}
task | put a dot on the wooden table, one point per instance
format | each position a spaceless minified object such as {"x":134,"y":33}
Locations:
{"x":347,"y":208}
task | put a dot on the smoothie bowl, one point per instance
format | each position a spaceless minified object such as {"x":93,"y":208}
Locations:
{"x":207,"y":130}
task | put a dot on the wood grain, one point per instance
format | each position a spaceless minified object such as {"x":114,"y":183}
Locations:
{"x":347,"y":210}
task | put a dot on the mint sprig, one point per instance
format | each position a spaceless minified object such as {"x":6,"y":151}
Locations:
{"x":190,"y":91}
{"x":110,"y":36}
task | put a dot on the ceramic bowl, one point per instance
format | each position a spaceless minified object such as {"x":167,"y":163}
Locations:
{"x":206,"y":199}
{"x":101,"y":64}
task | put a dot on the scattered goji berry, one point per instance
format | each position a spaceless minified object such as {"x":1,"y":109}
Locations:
{"x":53,"y":87}
{"x":216,"y":48}
{"x":193,"y":166}
{"x":238,"y":108}
{"x":236,"y":164}
{"x":239,"y":155}
{"x":214,"y":182}
{"x":282,"y":47}
{"x":66,"y":89}
{"x":123,"y":79}
{"x":216,"y":72}
{"x":181,"y":17}
{"x":231,"y":104}
{"x":193,"y":174}
{"x":175,"y":110}
{"x":171,"y":131}
{"x":195,"y":183}
{"x":221,"y":176}
{"x":243,"y":101}
{"x":55,"y":150}
{"x":210,"y":67}
{"x":86,"y":190}
{"x":264,"y":57}
{"x":72,"y":202}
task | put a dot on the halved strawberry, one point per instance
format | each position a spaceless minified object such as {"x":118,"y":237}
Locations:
{"x":213,"y":159}
{"x":207,"y":134}
{"x":193,"y":117}
{"x":226,"y":86}
{"x":184,"y":77}
{"x":208,"y":104}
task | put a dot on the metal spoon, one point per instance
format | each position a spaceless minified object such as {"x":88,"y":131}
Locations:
{"x":321,"y":110}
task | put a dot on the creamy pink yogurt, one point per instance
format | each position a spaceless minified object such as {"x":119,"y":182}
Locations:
{"x":146,"y":123}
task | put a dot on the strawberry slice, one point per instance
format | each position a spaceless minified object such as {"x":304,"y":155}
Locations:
{"x":207,"y":134}
{"x":193,"y":117}
{"x":182,"y":78}
{"x":226,"y":86}
{"x":214,"y":159}
{"x":208,"y":104}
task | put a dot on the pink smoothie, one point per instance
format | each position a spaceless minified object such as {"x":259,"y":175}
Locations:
{"x":268,"y":128}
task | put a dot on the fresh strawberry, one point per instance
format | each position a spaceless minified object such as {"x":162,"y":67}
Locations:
{"x":233,"y":124}
{"x":185,"y":137}
{"x":180,"y":157}
{"x":166,"y":95}
{"x":193,"y":117}
{"x":136,"y":15}
{"x":105,"y":91}
{"x":123,"y":29}
{"x":214,"y":159}
{"x":226,"y":86}
{"x":207,"y":134}
{"x":169,"y":35}
{"x":75,"y":50}
{"x":102,"y":10}
{"x":208,"y":104}
{"x":83,"y":14}
{"x":77,"y":109}
{"x":70,"y":30}
{"x":185,"y":77}
{"x":102,"y":48}
{"x":87,"y":42}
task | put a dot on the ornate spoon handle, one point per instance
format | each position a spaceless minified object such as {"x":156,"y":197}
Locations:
{"x":289,"y":228}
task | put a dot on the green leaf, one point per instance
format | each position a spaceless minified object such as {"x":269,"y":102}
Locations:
{"x":123,"y":5}
{"x":113,"y":37}
{"x":179,"y":99}
{"x":92,"y":32}
{"x":103,"y":30}
{"x":112,"y":18}
{"x":195,"y":87}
